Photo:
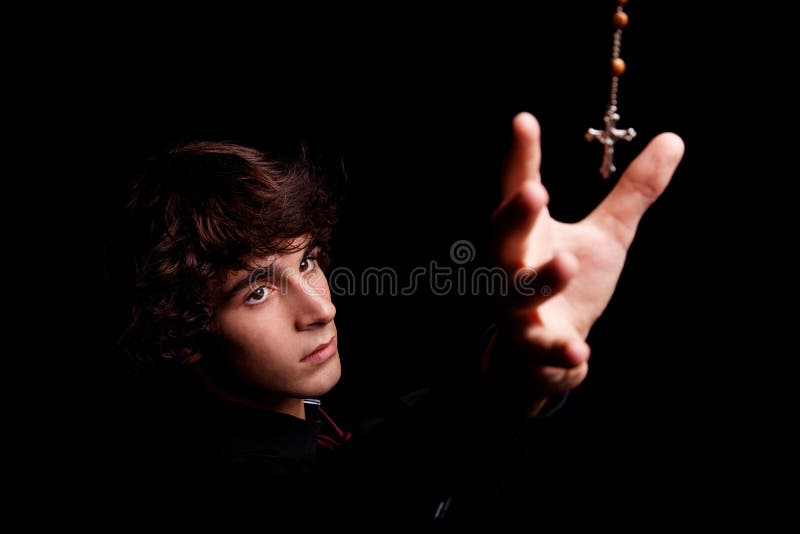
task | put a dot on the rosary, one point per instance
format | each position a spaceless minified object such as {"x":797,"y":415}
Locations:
{"x":611,"y":134}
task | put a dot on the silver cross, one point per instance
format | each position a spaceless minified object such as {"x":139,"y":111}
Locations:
{"x":608,"y":137}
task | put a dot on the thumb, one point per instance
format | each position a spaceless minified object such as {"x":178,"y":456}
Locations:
{"x":642,"y":183}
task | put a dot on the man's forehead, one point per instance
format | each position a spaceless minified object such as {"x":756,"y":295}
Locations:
{"x":253,"y":264}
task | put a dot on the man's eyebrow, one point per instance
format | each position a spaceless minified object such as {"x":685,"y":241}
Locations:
{"x":259,"y":273}
{"x":249,"y":280}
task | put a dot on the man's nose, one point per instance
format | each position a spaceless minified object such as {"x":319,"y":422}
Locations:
{"x":314,"y":307}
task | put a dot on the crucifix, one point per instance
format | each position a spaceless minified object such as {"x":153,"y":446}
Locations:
{"x":611,"y":134}
{"x":608,"y":137}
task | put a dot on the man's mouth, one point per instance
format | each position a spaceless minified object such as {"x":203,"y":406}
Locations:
{"x":322,"y":352}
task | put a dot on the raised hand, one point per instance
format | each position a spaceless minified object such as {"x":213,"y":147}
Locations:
{"x":540,"y":348}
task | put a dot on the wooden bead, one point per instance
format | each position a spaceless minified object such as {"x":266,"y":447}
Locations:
{"x":617,"y":66}
{"x":620,"y":19}
{"x":622,"y":2}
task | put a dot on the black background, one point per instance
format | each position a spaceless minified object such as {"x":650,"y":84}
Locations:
{"x":412,"y":122}
{"x":410,"y":112}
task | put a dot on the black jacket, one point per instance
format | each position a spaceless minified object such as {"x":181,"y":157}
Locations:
{"x":436,"y":457}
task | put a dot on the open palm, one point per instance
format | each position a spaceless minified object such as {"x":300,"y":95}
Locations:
{"x":576,"y":266}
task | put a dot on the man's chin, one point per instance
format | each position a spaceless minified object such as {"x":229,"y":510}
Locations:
{"x":326,"y":377}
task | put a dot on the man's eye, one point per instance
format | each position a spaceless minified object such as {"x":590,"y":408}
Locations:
{"x":258,"y":296}
{"x":308,"y":263}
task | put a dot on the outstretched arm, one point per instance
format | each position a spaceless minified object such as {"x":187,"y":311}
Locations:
{"x":540,"y":344}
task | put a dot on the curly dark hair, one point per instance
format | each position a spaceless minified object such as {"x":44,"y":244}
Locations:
{"x":196,"y":212}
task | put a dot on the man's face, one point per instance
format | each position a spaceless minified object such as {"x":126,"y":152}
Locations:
{"x":270,"y":322}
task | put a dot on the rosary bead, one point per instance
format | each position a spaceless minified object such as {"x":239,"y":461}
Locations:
{"x":622,"y":2}
{"x":620,"y":19}
{"x":617,"y":66}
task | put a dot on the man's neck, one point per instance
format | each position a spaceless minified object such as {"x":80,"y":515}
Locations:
{"x":281,"y":404}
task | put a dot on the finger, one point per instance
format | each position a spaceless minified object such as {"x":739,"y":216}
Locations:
{"x":554,"y":380}
{"x":641,"y":184}
{"x":513,"y":222}
{"x":525,"y":156}
{"x":531,"y":287}
{"x":577,"y":352}
{"x":561,"y":354}
{"x":539,"y":347}
{"x":560,"y":369}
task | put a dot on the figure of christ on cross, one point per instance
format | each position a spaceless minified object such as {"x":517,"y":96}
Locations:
{"x":610,"y":135}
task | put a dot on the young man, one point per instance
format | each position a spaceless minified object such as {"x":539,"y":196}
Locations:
{"x":229,"y":294}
